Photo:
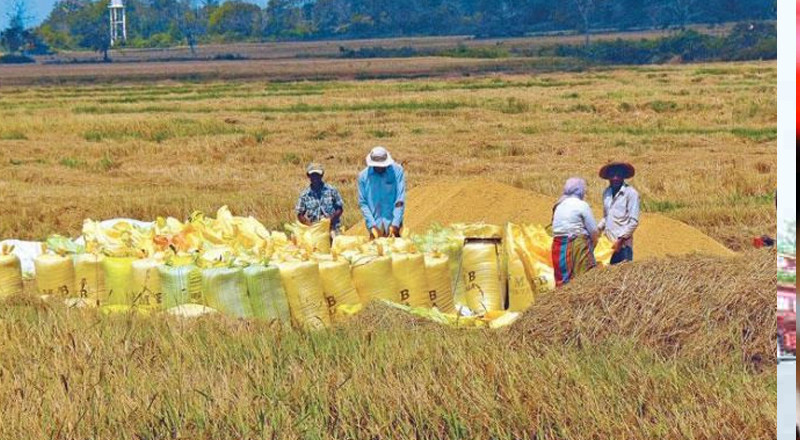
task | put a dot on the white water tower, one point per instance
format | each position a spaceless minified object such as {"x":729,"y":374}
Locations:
{"x":117,"y":14}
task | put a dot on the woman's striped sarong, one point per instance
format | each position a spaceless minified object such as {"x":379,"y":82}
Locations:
{"x":572,"y":256}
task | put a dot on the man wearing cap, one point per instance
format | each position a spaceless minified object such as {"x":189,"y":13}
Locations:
{"x":620,"y":210}
{"x":382,"y":194}
{"x":319,"y":200}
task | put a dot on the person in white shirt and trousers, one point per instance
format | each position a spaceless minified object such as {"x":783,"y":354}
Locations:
{"x":621,"y":210}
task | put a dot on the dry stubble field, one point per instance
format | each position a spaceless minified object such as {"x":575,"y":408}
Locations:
{"x":702,"y":136}
{"x":699,"y":366}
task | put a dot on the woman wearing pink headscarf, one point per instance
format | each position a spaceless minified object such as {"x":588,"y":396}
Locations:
{"x":575,"y":233}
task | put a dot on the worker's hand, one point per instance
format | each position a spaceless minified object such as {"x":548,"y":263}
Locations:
{"x":394,"y":231}
{"x":374,"y":233}
{"x":617,"y":246}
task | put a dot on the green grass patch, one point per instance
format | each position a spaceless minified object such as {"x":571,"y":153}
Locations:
{"x":71,"y":162}
{"x":512,"y":106}
{"x":663,"y":106}
{"x":756,"y":134}
{"x":381,"y":134}
{"x":107,"y":163}
{"x":662,"y":206}
{"x":291,"y":159}
{"x":13,"y":136}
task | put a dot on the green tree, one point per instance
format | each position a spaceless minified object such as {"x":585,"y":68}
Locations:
{"x":236,"y":20}
{"x":90,"y":28}
{"x":16,"y":36}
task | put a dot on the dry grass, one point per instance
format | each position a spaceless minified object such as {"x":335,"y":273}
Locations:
{"x":142,"y":150}
{"x":77,"y":374}
{"x":696,"y":307}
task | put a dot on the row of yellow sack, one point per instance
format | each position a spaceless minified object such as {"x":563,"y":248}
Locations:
{"x":311,"y":290}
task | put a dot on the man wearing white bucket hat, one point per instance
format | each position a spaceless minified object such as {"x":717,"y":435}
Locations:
{"x":382,"y":194}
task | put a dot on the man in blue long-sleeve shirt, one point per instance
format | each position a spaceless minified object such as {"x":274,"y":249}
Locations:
{"x":382,"y":194}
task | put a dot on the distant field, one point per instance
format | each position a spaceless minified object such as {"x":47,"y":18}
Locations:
{"x":330,"y":48}
{"x":702,"y":136}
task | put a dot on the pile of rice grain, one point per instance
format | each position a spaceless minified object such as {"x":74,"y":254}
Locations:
{"x":478,"y":200}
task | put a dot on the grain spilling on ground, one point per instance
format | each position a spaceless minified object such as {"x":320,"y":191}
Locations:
{"x":479,"y":200}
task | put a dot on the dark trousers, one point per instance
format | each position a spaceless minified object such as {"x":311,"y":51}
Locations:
{"x":624,"y":254}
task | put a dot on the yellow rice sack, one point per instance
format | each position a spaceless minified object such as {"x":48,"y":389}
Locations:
{"x":306,"y":297}
{"x":373,"y":278}
{"x":90,"y":281}
{"x":347,"y":243}
{"x":118,"y":272}
{"x":520,"y":290}
{"x":10,"y":275}
{"x":314,"y":238}
{"x":338,"y":286}
{"x":55,"y":275}
{"x":146,"y":283}
{"x":483,"y":277}
{"x":439,"y":283}
{"x":410,"y":281}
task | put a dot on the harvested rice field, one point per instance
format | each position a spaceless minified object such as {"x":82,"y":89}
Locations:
{"x":702,"y":137}
{"x":679,"y":344}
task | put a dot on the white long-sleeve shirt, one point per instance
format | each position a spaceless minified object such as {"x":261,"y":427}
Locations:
{"x":621,"y":214}
{"x":573,"y":217}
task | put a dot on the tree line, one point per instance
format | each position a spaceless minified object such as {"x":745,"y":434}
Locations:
{"x":83,"y":24}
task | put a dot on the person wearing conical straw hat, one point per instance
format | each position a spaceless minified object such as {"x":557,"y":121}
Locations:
{"x":575,"y":233}
{"x":621,"y":210}
{"x":382,"y":194}
{"x":319,"y":200}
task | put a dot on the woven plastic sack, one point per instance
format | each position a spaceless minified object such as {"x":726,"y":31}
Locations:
{"x":478,"y":230}
{"x":55,"y":275}
{"x":520,"y":290}
{"x":10,"y":275}
{"x":90,"y":280}
{"x":267,"y":297}
{"x":520,"y":293}
{"x":304,"y":292}
{"x":439,"y":283}
{"x":314,"y":238}
{"x":338,"y":286}
{"x":347,"y":243}
{"x":483,"y":277}
{"x":225,"y":289}
{"x":146,"y":283}
{"x":604,"y":251}
{"x":180,"y":285}
{"x":373,"y":278}
{"x":410,"y":281}
{"x":118,"y":272}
